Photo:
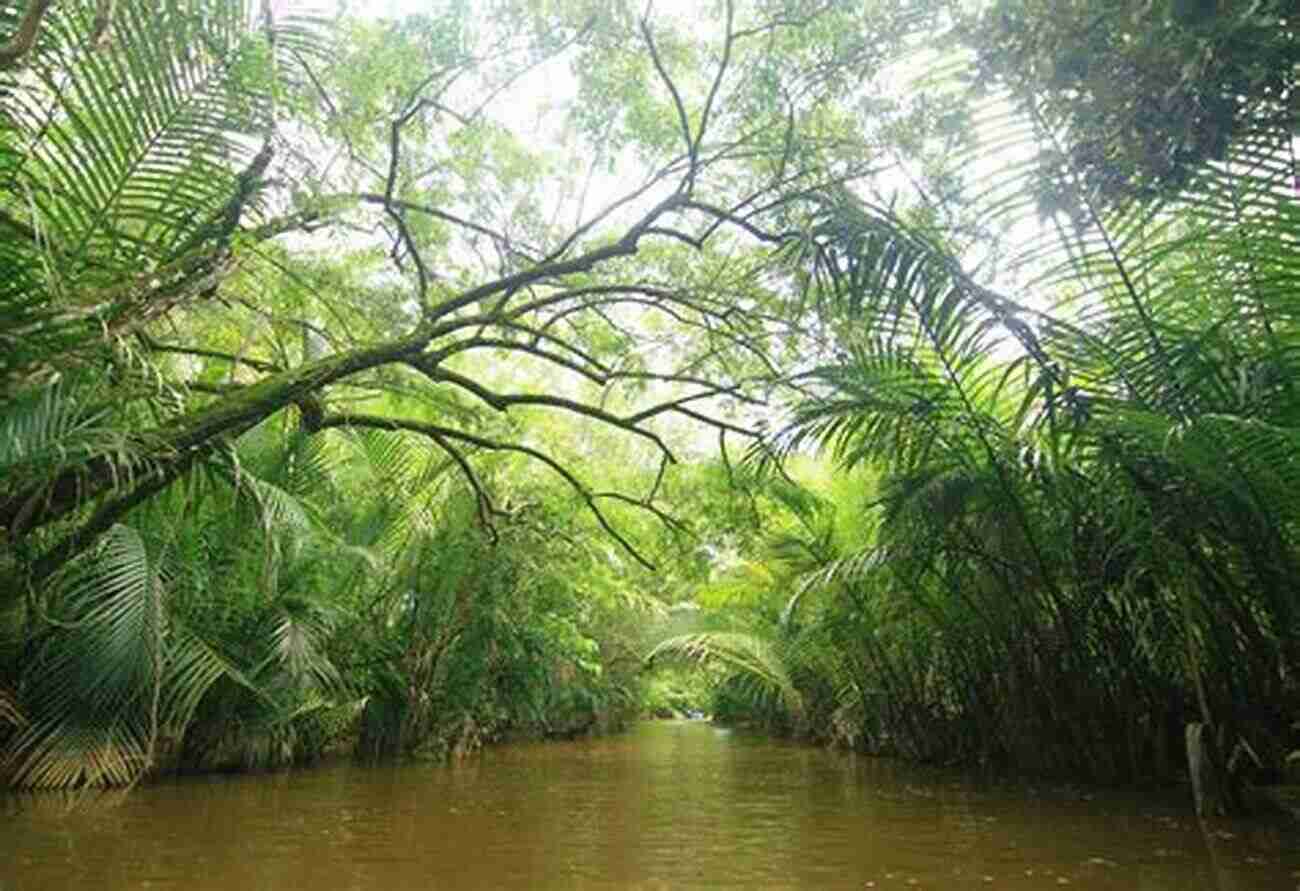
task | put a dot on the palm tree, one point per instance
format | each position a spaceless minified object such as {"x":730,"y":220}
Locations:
{"x":772,"y":638}
{"x":133,"y":139}
{"x":133,"y":142}
{"x":1098,"y":478}
{"x":134,"y":136}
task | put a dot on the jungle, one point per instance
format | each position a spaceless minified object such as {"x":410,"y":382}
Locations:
{"x":917,"y":377}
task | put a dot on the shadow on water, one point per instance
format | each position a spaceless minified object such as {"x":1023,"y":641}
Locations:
{"x":669,"y":805}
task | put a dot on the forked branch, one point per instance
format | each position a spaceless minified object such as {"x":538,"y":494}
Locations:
{"x":436,"y":433}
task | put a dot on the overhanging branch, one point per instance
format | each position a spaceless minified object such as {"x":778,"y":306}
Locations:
{"x":435,"y":432}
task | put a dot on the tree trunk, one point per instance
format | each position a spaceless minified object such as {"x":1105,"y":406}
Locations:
{"x":1216,"y":788}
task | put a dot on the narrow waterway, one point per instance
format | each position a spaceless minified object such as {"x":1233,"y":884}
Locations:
{"x":673,"y":805}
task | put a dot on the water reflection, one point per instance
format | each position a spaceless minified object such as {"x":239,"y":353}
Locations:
{"x":671,"y":805}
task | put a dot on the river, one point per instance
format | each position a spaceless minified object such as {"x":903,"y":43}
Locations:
{"x":669,"y":805}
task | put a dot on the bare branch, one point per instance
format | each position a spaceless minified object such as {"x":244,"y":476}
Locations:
{"x":728,"y":216}
{"x":722,"y":71}
{"x":659,"y":478}
{"x":692,"y":147}
{"x":390,"y":202}
{"x":676,"y":404}
{"x":624,"y":247}
{"x":604,"y":213}
{"x":593,"y":371}
{"x":719,"y":424}
{"x":663,"y":516}
{"x":482,"y":501}
{"x":404,"y":232}
{"x":689,"y":240}
{"x":504,"y":401}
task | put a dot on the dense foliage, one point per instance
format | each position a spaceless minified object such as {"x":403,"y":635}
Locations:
{"x":347,"y":363}
{"x":1138,"y":97}
{"x":1079,"y":524}
{"x":398,"y":385}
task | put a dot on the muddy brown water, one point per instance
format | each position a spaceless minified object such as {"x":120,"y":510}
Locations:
{"x":669,"y":805}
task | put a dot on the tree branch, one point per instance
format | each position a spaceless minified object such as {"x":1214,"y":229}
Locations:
{"x":25,"y":37}
{"x":432,"y":431}
{"x":722,"y":71}
{"x":503,"y":402}
{"x":692,"y":147}
{"x":390,"y":202}
{"x":482,"y":501}
{"x":255,"y":364}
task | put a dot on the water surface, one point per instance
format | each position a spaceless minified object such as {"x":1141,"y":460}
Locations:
{"x":673,"y":805}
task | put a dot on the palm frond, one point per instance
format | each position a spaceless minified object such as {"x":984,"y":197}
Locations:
{"x":126,"y":169}
{"x":9,"y":711}
{"x":752,"y":655}
{"x":298,"y":645}
{"x":93,"y":677}
{"x":48,"y":428}
{"x":113,"y":674}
